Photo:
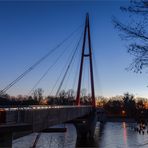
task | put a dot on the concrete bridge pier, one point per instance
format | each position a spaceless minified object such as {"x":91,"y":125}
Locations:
{"x":86,"y":126}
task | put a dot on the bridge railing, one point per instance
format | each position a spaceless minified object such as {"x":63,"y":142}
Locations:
{"x":11,"y":108}
{"x":18,"y":114}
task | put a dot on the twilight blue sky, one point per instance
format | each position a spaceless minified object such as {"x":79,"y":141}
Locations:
{"x":28,"y":30}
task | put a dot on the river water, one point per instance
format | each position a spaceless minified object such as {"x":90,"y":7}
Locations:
{"x":109,"y":135}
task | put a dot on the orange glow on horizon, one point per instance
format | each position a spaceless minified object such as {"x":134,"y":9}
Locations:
{"x":146,"y":105}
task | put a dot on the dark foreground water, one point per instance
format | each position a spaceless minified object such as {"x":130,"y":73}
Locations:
{"x":110,"y":135}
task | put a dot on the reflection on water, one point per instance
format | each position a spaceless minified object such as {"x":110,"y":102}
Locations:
{"x":124,"y":134}
{"x":109,"y":135}
{"x":121,"y":135}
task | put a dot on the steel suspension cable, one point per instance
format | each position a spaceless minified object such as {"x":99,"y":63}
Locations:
{"x":49,"y":68}
{"x":45,"y":73}
{"x":57,"y":80}
{"x":83,"y":77}
{"x":61,"y":73}
{"x":88,"y":77}
{"x":37,"y":62}
{"x":59,"y":77}
{"x":68,"y":67}
{"x":69,"y":74}
{"x":77,"y":72}
{"x":55,"y":84}
{"x":96,"y":73}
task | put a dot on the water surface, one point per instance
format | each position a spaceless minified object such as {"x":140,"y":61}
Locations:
{"x":109,"y":135}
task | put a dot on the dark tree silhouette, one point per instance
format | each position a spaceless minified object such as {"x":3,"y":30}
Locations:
{"x":136,"y":31}
{"x":129,"y":104}
{"x":62,"y":94}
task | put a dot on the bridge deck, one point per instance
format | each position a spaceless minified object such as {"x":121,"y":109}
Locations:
{"x":41,"y":117}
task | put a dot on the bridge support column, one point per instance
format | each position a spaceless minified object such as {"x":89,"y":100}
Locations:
{"x":86,"y":126}
{"x":6,"y":140}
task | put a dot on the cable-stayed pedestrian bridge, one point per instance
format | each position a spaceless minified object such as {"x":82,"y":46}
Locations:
{"x":42,"y":117}
{"x":39,"y":118}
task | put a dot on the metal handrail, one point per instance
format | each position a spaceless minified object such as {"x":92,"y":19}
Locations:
{"x":30,"y":107}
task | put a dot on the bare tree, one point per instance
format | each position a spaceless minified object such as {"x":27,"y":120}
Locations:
{"x":70,"y":93}
{"x":62,"y":94}
{"x":4,"y":95}
{"x":136,"y":32}
{"x":83,"y":92}
{"x":38,"y":94}
{"x":129,"y":104}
